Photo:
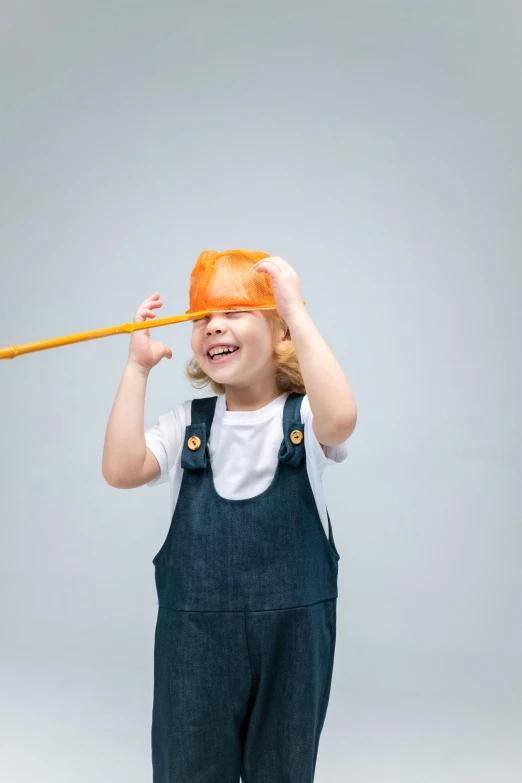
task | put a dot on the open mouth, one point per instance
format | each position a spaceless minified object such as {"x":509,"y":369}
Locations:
{"x":222,"y":357}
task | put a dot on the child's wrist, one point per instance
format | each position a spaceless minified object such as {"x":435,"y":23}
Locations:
{"x":136,"y":367}
{"x":296,"y":316}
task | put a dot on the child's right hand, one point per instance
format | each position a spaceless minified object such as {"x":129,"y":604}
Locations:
{"x":143,"y":351}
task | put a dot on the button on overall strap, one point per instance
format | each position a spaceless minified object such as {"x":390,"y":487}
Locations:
{"x":292,"y":448}
{"x":195,"y":454}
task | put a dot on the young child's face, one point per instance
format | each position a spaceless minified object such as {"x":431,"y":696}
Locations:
{"x":247,"y":330}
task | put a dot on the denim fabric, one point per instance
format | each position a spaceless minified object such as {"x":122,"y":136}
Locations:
{"x":246,"y":627}
{"x":241,"y":692}
{"x":265,"y":552}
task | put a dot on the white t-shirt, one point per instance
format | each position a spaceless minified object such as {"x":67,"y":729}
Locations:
{"x":243,"y":449}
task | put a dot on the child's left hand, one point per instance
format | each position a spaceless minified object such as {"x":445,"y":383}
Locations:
{"x":286,"y":285}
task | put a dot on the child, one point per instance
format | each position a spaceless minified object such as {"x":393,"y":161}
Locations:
{"x":247,"y":575}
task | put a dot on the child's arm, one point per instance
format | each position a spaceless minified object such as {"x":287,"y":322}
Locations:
{"x":329,"y":392}
{"x":330,"y":396}
{"x":127,"y":462}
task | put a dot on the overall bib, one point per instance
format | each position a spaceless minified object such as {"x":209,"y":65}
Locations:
{"x":246,"y":627}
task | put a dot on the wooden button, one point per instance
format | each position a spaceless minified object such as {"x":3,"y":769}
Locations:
{"x":296,"y":436}
{"x":194,"y":443}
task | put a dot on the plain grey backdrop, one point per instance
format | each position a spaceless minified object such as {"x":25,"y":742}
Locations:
{"x":377,"y":147}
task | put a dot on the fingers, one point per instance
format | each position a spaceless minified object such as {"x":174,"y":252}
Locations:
{"x":267,"y":265}
{"x":145,"y":310}
{"x":276,"y":260}
{"x":142,"y":313}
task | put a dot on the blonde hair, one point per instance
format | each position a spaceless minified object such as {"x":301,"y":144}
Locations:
{"x":288,"y":372}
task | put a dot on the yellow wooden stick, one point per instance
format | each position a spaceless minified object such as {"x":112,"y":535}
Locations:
{"x":12,"y":351}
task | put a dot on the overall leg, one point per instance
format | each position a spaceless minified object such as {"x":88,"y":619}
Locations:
{"x":291,"y":654}
{"x":202,"y":685}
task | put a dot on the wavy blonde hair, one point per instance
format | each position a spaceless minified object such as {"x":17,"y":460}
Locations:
{"x":288,"y":372}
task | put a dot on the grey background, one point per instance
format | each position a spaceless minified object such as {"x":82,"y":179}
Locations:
{"x":377,"y":147}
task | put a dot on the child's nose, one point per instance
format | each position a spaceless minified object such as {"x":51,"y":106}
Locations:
{"x":216,"y":322}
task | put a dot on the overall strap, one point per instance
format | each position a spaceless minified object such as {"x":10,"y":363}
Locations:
{"x":194,"y":454}
{"x":292,"y":448}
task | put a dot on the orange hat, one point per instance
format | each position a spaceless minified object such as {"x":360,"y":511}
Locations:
{"x":228,"y":281}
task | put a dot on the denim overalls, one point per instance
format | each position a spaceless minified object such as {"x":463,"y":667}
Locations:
{"x":246,"y":626}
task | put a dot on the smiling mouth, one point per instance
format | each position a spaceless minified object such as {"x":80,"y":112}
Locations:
{"x":222,"y":357}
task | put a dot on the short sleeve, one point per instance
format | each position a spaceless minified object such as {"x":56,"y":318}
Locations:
{"x":322,"y":455}
{"x":164,"y":440}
